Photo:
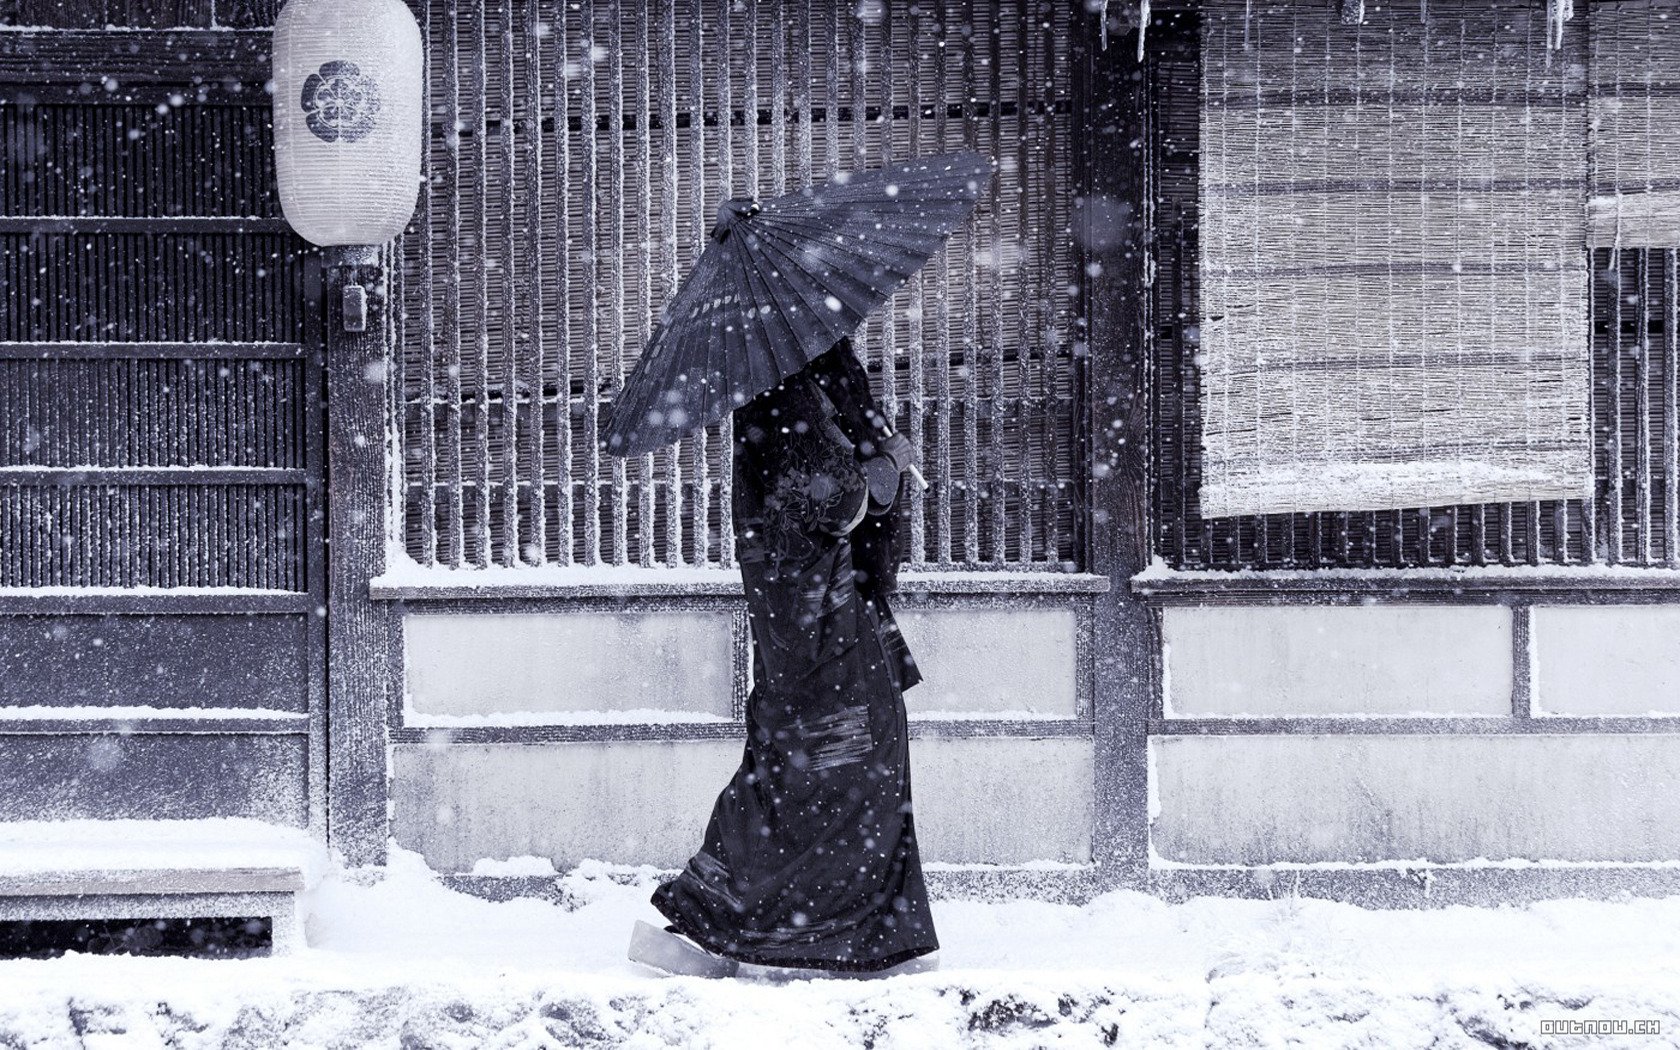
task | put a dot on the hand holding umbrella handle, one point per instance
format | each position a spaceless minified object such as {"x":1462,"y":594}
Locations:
{"x":895,"y":449}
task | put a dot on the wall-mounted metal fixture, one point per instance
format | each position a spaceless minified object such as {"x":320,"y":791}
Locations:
{"x":355,"y":308}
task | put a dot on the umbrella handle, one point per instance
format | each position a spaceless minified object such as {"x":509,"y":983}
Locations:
{"x":923,"y":482}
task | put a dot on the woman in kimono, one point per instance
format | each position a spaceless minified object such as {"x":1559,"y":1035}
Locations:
{"x":810,"y":860}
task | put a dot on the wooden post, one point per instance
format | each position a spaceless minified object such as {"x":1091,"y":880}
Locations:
{"x":1110,"y":101}
{"x":357,"y":628}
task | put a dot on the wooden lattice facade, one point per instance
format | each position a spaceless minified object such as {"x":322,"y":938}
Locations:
{"x":576,"y":159}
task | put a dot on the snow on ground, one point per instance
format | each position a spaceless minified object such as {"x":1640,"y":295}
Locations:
{"x":404,"y":961}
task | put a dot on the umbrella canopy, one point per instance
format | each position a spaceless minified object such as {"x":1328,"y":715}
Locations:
{"x":782,"y":281}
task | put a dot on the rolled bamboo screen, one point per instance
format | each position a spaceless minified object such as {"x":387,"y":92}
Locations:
{"x":1635,"y":74}
{"x":1394,"y":293}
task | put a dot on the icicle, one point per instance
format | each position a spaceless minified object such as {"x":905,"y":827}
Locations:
{"x":1557,"y":13}
{"x":1143,"y":25}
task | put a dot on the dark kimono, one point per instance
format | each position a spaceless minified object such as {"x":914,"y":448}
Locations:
{"x":810,"y":856}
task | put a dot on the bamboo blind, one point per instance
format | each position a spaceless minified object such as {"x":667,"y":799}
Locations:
{"x":1394,"y":291}
{"x":1635,"y":73}
{"x":577,"y":156}
{"x":1633,"y":514}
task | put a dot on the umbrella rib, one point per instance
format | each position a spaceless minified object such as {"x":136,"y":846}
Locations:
{"x":717,"y":348}
{"x":776,"y":351}
{"x":835,"y":271}
{"x":925,"y":242}
{"x":660,"y":374}
{"x":743,"y":274}
{"x":940,"y":212}
{"x":913,"y":243}
{"x":818,"y":309}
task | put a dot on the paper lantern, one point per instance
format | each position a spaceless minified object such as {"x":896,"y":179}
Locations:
{"x":348,"y":99}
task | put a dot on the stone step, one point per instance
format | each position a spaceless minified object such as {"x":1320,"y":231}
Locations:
{"x":132,"y":869}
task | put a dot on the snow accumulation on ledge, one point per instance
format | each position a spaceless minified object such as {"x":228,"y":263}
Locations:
{"x":37,"y":846}
{"x":144,"y":713}
{"x":1159,"y":575}
{"x":398,"y":959}
{"x":636,"y":716}
{"x":407,"y":579}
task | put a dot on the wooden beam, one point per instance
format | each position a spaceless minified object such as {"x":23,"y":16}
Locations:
{"x":174,"y":56}
{"x":1111,"y":102}
{"x":1421,"y":725}
{"x":602,"y":732}
{"x":92,"y":602}
{"x":89,"y":224}
{"x":104,"y":476}
{"x":358,"y":670}
{"x":1401,"y":585}
{"x":223,"y":725}
{"x":150,"y":881}
{"x":66,"y":351}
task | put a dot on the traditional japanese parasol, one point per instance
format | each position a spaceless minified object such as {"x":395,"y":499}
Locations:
{"x":782,"y":281}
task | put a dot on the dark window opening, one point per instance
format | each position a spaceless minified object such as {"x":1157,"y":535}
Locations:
{"x":215,"y":938}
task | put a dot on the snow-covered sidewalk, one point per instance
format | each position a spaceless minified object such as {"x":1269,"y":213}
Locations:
{"x":407,"y":962}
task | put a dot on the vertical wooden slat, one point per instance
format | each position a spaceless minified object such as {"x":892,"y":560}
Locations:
{"x":565,"y":532}
{"x":885,"y":72}
{"x":668,"y":246}
{"x":512,"y":329}
{"x":455,"y":521}
{"x":916,"y":350}
{"x":726,"y":175}
{"x":997,"y":484}
{"x":971,"y":313}
{"x":1613,"y":529}
{"x":644,"y":258}
{"x":588,"y":252}
{"x":395,"y":369}
{"x":1642,"y":412}
{"x":1589,"y":511}
{"x":614,"y":259}
{"x":805,"y":39}
{"x":831,"y":93}
{"x":536,"y":221}
{"x":483,"y":555}
{"x":752,"y":184}
{"x":1671,"y":408}
{"x":1037,"y":111}
{"x":943,"y":481}
{"x":778,"y":97}
{"x":1185,"y":391}
{"x":697,"y":237}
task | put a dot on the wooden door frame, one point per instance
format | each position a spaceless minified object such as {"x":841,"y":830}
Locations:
{"x":56,"y":61}
{"x":361,"y":671}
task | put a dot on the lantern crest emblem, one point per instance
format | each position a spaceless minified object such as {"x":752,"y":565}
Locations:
{"x":340,"y":102}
